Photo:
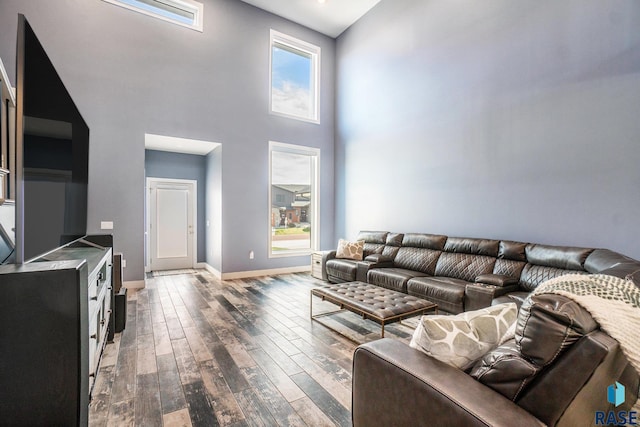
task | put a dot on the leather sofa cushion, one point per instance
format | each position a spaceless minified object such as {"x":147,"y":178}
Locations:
{"x":517,"y":297}
{"x":390,"y":251}
{"x":472,"y":246}
{"x":378,"y":258}
{"x":548,"y":324}
{"x":447,"y":292}
{"x":496,"y":279}
{"x":392,"y":278}
{"x":504,"y":370}
{"x":629,"y":271}
{"x":603,"y":259}
{"x":342,"y":269}
{"x":563,"y":257}
{"x":427,"y":241}
{"x":379,"y":237}
{"x":463,"y":266}
{"x":515,"y":251}
{"x":573,"y":387}
{"x":533,"y":275}
{"x":508,"y":267}
{"x":417,"y":259}
{"x":372,"y":248}
{"x":394,"y":239}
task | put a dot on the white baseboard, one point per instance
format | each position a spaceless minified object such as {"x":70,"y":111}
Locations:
{"x":133,"y":284}
{"x":211,"y":270}
{"x":269,"y":272}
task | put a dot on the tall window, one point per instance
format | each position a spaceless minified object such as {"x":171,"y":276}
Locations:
{"x":295,"y":83}
{"x":188,"y":13}
{"x":293,"y":199}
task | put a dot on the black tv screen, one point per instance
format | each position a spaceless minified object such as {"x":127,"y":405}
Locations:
{"x":52,"y":154}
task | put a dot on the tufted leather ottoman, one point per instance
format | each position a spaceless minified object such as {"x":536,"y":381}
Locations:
{"x":371,"y":302}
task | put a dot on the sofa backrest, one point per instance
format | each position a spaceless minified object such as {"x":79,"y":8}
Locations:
{"x":545,"y":262}
{"x":420,"y":252}
{"x":466,"y":258}
{"x":605,"y":261}
{"x":557,"y":353}
{"x":374,"y":241}
{"x":392,"y":245}
{"x":511,"y":259}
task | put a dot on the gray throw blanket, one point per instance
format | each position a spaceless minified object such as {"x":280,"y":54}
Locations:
{"x":612,"y":302}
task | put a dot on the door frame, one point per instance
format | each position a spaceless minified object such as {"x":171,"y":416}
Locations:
{"x":147,"y":208}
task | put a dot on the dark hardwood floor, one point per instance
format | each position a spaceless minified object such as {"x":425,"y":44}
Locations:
{"x":198,"y":351}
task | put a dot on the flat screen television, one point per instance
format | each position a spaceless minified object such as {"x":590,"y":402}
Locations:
{"x":52,"y":154}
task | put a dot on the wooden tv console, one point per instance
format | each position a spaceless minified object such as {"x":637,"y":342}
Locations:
{"x":54,"y":318}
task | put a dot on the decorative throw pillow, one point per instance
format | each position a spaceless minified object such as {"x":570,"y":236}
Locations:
{"x":462,"y":339}
{"x":350,"y":250}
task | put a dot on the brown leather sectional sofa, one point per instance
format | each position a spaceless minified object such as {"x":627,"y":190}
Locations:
{"x":463,"y":274}
{"x":555,"y":372}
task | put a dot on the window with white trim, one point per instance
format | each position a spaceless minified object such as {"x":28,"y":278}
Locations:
{"x":293,"y":199}
{"x":295,"y":78}
{"x":188,"y":13}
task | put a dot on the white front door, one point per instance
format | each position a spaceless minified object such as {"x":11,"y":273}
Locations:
{"x":171,"y":224}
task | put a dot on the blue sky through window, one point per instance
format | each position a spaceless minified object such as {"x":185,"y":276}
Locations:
{"x":289,"y":67}
{"x":292,"y":81}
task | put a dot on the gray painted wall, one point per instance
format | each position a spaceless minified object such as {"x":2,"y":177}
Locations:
{"x":162,"y":164}
{"x":130,"y":74}
{"x":498,"y":119}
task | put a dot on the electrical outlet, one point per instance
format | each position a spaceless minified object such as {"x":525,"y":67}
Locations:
{"x":124,"y":263}
{"x":106,"y":225}
{"x":251,"y":255}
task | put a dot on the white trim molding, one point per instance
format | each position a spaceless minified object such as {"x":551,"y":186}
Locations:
{"x":304,"y":49}
{"x":314,"y":155}
{"x":186,"y":13}
{"x":210,"y":269}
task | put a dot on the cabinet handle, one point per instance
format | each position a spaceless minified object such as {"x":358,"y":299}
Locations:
{"x":102,"y":322}
{"x":93,"y":336}
{"x":92,"y":375}
{"x":94,"y":298}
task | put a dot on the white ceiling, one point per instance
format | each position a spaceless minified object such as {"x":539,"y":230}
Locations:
{"x":331,"y":17}
{"x":178,"y":145}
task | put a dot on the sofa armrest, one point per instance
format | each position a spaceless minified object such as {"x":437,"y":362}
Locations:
{"x":394,"y":384}
{"x":499,"y":280}
{"x":378,"y":258}
{"x":480,"y":295}
{"x":363,"y":267}
{"x":326,"y":256}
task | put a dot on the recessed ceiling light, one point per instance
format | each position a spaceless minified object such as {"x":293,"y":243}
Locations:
{"x":321,"y":1}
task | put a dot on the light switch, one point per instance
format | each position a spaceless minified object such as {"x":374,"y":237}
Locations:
{"x":106,"y":225}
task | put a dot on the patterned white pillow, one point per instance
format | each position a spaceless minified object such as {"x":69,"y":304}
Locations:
{"x":350,"y":250}
{"x":462,"y":339}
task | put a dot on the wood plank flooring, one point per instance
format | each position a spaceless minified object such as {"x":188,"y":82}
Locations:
{"x":198,"y":351}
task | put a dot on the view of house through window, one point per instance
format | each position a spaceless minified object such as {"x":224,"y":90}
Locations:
{"x":293,"y":199}
{"x":294,"y":77}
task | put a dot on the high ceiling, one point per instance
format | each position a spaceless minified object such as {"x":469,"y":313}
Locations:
{"x":331,"y":17}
